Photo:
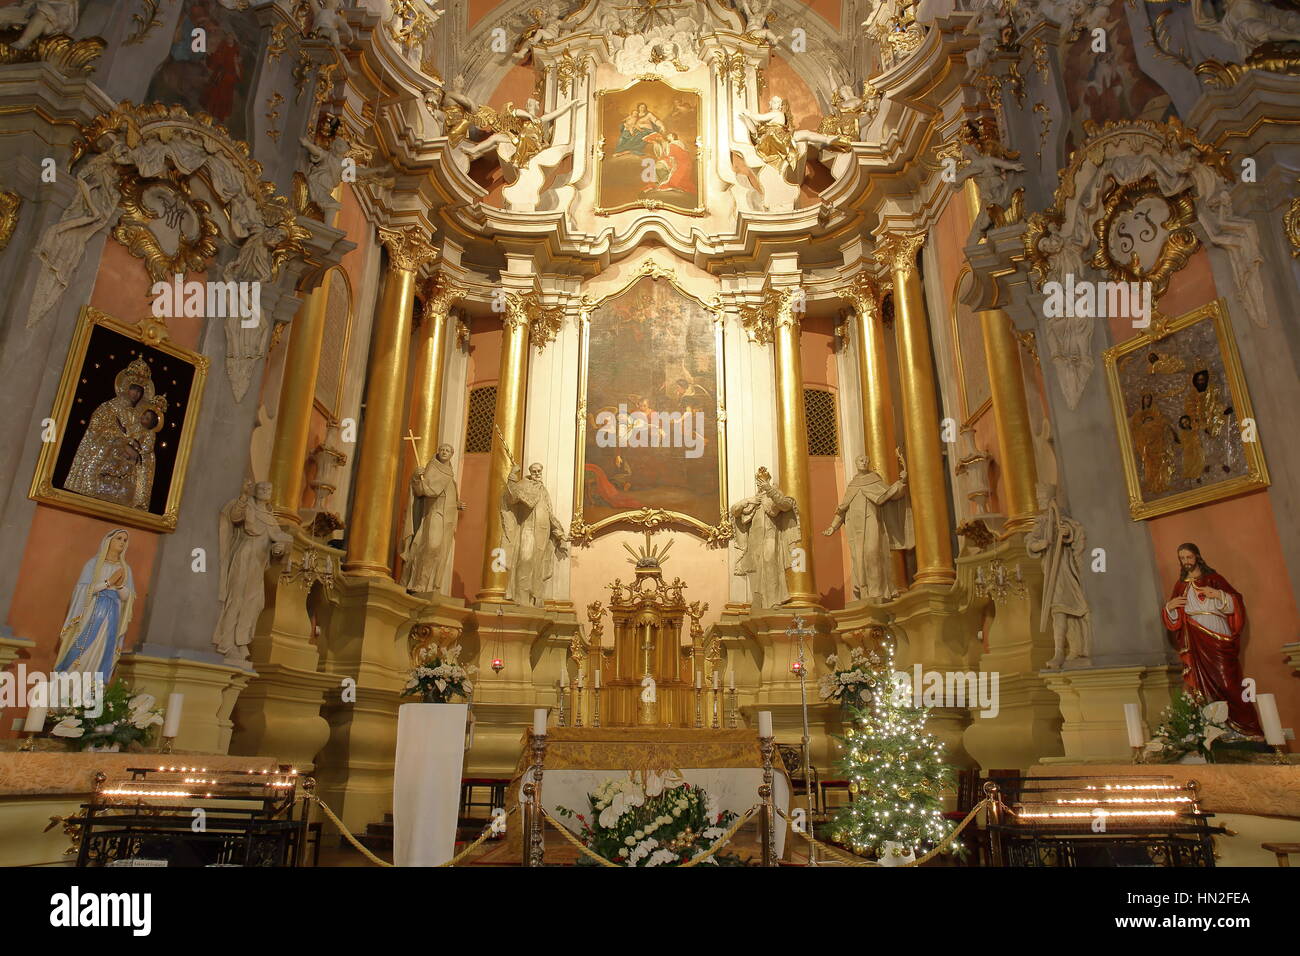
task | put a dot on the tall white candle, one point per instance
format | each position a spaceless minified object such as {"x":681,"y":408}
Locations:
{"x":1271,"y":721}
{"x":539,"y":721}
{"x":765,"y":723}
{"x":715,"y":680}
{"x":35,"y":722}
{"x":699,"y":679}
{"x":172,"y":719}
{"x":1133,"y":721}
{"x":582,"y":681}
{"x":731,"y":678}
{"x":598,"y":678}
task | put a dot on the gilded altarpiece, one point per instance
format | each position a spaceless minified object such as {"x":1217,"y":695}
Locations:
{"x":651,"y":427}
{"x":650,"y":154}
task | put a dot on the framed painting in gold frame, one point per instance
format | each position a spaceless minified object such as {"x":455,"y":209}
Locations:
{"x":649,"y":153}
{"x":123,"y":424}
{"x":651,"y":359}
{"x":1182,"y":413}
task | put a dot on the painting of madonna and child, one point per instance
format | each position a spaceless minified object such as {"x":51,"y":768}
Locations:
{"x":650,"y":155}
{"x":651,"y":434}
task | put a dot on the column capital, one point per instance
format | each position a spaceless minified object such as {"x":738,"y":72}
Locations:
{"x":408,"y":248}
{"x":439,"y":293}
{"x":525,"y":310}
{"x":862,"y":293}
{"x":897,"y":251}
{"x":779,"y":309}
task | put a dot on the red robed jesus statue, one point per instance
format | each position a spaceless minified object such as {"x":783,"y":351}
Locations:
{"x":1205,"y":617}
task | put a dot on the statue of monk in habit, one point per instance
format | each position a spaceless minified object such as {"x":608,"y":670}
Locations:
{"x":430,"y":524}
{"x":249,"y":537}
{"x":767,"y":531}
{"x":878,"y":520}
{"x":532,"y":536}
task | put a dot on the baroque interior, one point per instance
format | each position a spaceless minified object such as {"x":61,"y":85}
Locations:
{"x":691,"y":340}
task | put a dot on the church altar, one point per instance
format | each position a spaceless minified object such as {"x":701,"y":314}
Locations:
{"x":727,"y":764}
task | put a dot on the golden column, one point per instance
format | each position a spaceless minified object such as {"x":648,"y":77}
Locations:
{"x":877,"y":398}
{"x":297,"y":395}
{"x":378,"y":464}
{"x":920,"y":410}
{"x":426,"y":383}
{"x":1011,"y":414}
{"x":508,"y":424}
{"x":792,"y":438}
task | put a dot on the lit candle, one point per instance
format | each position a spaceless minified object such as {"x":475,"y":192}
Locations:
{"x":35,"y":720}
{"x":1268,"y":717}
{"x":699,"y":679}
{"x":731,"y":678}
{"x":172,"y":722}
{"x":765,"y":723}
{"x":598,"y":679}
{"x":715,"y":681}
{"x":1133,"y":720}
{"x":539,"y":722}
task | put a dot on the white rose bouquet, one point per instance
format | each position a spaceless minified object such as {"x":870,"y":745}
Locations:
{"x":439,"y":678}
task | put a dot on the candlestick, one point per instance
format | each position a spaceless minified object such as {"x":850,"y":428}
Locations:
{"x":699,"y":720}
{"x":731,"y":678}
{"x":539,"y":721}
{"x":532,"y":790}
{"x":767,"y":747}
{"x":733,"y":717}
{"x":597,"y":675}
{"x":765,"y":723}
{"x":577,"y":701}
{"x":699,"y":679}
{"x":595,"y":716}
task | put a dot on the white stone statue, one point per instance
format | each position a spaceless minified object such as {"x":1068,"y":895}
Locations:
{"x":249,"y":538}
{"x":328,"y":23}
{"x":523,"y":146}
{"x":532,"y":537}
{"x":777,"y":153}
{"x":430,"y":524}
{"x":61,"y":247}
{"x":547,"y":27}
{"x":991,"y":166}
{"x":878,"y":519}
{"x":1248,"y":24}
{"x":758,"y":13}
{"x":767,"y":531}
{"x":324,"y":172}
{"x":40,"y":18}
{"x":1061,"y":544}
{"x":988,"y":25}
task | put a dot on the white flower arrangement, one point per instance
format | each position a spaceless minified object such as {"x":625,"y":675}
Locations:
{"x":848,"y":684}
{"x":437,"y":679}
{"x":123,"y":719}
{"x":652,"y":824}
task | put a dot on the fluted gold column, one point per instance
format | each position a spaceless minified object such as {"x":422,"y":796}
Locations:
{"x":792,"y":440}
{"x":430,"y":357}
{"x":297,"y":394}
{"x":370,"y":529}
{"x":920,"y":410}
{"x":877,"y":398}
{"x":1011,"y":413}
{"x":512,"y":396}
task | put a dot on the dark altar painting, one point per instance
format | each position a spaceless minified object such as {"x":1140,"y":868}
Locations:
{"x":1110,"y":86}
{"x":652,"y":366}
{"x":1185,"y":426}
{"x":650,"y":155}
{"x":216,"y":82}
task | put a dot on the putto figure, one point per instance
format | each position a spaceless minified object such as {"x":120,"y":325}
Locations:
{"x":767,"y":531}
{"x":1205,"y":616}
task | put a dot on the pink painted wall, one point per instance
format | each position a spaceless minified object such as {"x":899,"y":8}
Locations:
{"x":825,"y":474}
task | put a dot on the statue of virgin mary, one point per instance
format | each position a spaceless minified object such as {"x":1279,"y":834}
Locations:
{"x":100,"y":611}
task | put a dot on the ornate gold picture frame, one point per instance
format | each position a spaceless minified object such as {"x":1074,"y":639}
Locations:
{"x":649,"y":511}
{"x":650,"y":148}
{"x":1187,"y":433}
{"x":123,"y":424}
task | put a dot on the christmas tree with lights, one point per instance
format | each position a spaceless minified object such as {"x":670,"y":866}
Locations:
{"x":894,"y":767}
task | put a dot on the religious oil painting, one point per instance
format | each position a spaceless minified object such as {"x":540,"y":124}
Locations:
{"x":1186,"y":429}
{"x":216,"y":79}
{"x":650,"y":440}
{"x":122,"y":425}
{"x":649,"y":155}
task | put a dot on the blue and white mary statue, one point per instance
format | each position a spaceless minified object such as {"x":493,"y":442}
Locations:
{"x":91,"y":639}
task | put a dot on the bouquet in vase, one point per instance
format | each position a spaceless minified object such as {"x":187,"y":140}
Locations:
{"x":440,"y":677}
{"x":123,"y":720}
{"x":1188,"y":728}
{"x":849,"y":685}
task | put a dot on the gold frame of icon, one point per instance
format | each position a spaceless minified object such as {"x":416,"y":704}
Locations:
{"x":150,"y":333}
{"x":1256,"y":476}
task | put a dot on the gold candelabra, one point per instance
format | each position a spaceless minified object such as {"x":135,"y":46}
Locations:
{"x":532,"y":790}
